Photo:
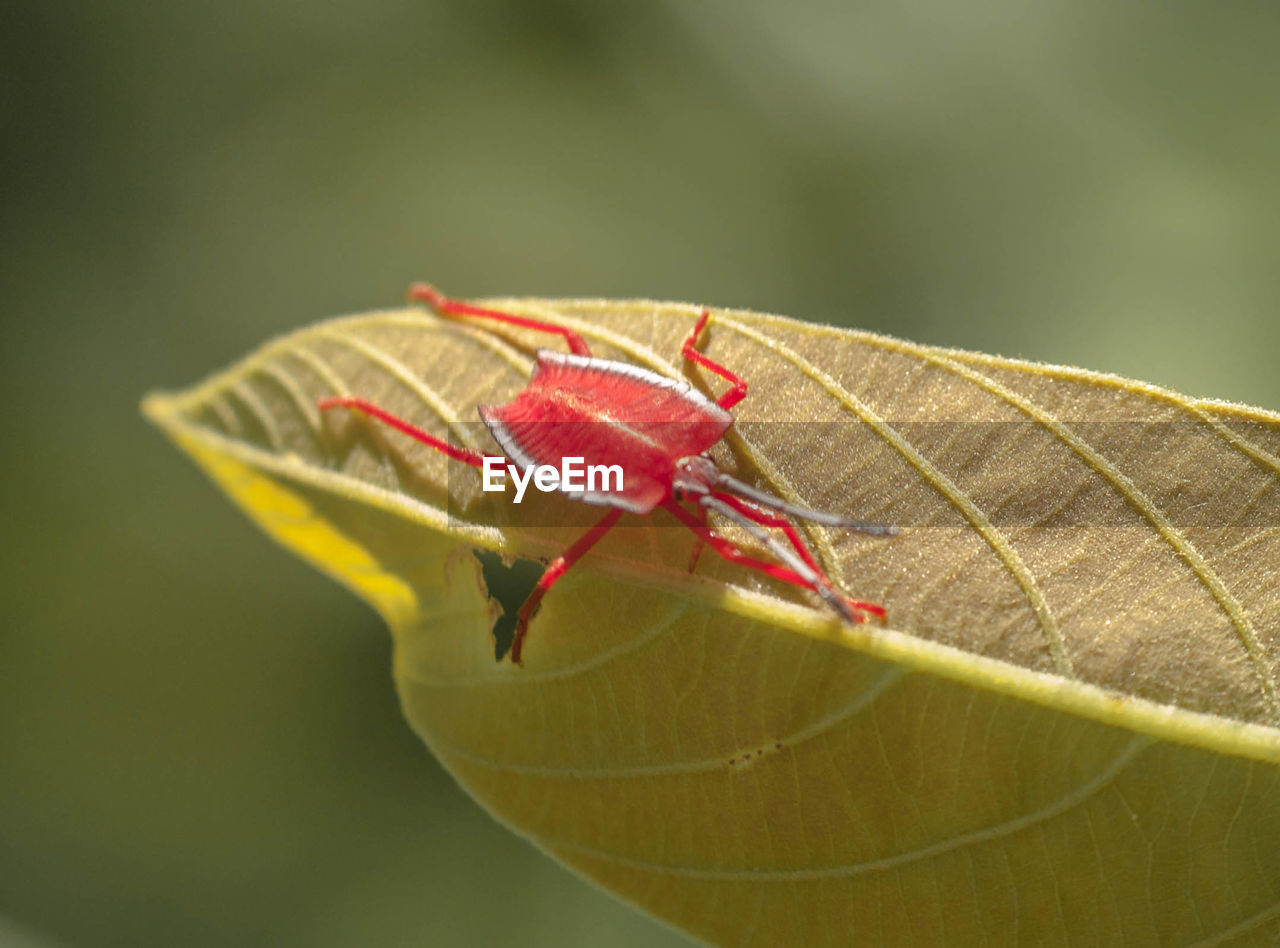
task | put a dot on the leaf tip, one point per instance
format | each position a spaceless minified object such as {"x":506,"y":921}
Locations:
{"x":158,"y":408}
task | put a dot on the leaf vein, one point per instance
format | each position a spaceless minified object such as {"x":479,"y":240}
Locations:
{"x":321,"y":368}
{"x":425,"y":319}
{"x":995,"y":538}
{"x":1035,"y":819}
{"x":403,"y":374}
{"x":1200,"y":567}
{"x":1243,"y":927}
{"x":289,"y":383}
{"x":249,"y":398}
{"x":859,"y":703}
{"x":227,"y":416}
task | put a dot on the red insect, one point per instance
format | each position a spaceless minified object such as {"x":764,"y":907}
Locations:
{"x":657,"y":430}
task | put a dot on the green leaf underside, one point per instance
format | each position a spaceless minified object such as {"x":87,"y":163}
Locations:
{"x":1034,"y":739}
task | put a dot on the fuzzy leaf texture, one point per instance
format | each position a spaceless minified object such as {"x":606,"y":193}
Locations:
{"x":1067,"y":732}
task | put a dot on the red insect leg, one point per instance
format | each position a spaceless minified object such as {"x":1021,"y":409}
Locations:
{"x":765,"y":519}
{"x":731,"y":552}
{"x":474,"y":458}
{"x":557,"y":568}
{"x":688,"y":350}
{"x":752,"y":512}
{"x":449,"y":307}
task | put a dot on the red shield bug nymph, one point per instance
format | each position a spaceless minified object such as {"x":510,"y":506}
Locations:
{"x":656,"y":430}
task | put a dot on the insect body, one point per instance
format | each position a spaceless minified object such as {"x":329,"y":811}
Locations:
{"x":654,"y":428}
{"x":609,"y":413}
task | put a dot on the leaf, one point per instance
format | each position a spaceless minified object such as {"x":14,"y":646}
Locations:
{"x":1068,"y":731}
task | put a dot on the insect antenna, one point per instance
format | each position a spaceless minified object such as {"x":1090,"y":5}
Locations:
{"x":817,"y":582}
{"x":764,"y":499}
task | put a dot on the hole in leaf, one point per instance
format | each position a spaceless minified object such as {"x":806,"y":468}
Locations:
{"x":508,"y":584}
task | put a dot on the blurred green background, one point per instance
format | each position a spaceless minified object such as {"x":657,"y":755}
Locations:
{"x":199,"y":742}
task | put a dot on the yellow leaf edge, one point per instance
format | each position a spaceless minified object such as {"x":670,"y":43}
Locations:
{"x":1160,"y":721}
